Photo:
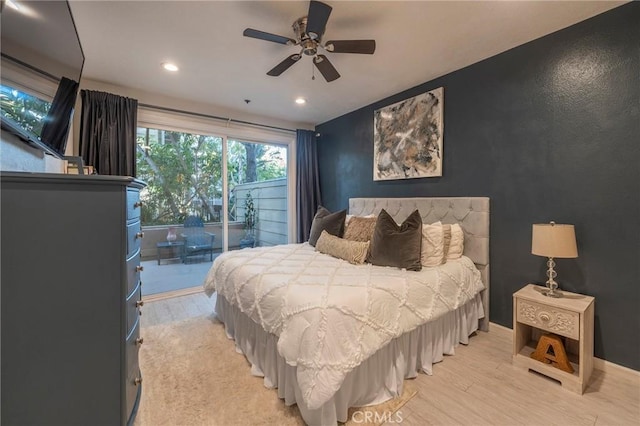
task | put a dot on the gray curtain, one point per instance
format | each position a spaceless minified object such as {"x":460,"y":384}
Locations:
{"x":307,"y":181}
{"x":56,"y":126}
{"x":108,"y":133}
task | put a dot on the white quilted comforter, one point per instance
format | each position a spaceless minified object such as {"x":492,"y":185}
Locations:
{"x":331,"y":315}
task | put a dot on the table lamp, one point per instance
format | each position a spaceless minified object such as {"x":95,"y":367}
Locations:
{"x":553,"y":240}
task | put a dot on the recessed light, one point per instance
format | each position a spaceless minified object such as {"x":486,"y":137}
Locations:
{"x":301,"y":101}
{"x":169,"y":66}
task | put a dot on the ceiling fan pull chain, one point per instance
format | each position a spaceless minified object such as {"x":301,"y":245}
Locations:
{"x":313,"y":70}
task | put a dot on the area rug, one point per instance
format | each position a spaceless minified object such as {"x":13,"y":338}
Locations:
{"x":193,"y":376}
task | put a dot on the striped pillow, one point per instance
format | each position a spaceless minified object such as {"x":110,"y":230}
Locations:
{"x":360,"y":228}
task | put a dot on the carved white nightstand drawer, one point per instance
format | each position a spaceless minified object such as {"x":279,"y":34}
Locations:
{"x":555,"y":320}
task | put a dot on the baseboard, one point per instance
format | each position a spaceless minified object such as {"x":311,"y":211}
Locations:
{"x":605,"y":366}
{"x":499,"y":327}
{"x":598,"y":363}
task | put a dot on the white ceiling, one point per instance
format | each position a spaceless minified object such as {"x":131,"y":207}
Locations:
{"x":125,"y":41}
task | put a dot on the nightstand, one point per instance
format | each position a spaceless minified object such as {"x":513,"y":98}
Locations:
{"x":570,"y":316}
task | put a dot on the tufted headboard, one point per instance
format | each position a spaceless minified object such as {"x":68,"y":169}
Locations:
{"x":472,"y":213}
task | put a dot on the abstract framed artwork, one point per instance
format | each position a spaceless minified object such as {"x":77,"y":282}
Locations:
{"x":407,"y":138}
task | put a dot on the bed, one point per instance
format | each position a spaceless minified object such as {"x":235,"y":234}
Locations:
{"x":330,"y":335}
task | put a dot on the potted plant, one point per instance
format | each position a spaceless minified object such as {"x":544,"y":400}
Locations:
{"x":250,"y":217}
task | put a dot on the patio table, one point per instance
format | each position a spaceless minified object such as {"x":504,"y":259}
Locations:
{"x":170,"y":245}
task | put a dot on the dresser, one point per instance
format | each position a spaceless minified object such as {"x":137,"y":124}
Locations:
{"x":70,"y":299}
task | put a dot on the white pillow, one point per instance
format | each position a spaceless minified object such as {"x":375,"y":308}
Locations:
{"x":456,"y":246}
{"x":432,"y":251}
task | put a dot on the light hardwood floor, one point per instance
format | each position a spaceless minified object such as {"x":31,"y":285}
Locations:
{"x":479,"y":386}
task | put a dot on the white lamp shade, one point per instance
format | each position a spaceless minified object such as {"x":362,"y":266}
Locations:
{"x":554,"y":240}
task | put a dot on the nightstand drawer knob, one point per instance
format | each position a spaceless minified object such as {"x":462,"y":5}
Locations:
{"x":137,"y":381}
{"x":139,"y":303}
{"x":544,"y":317}
{"x":139,"y":341}
{"x":139,"y":268}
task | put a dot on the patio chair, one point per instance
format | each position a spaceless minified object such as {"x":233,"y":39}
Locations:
{"x":197,"y":242}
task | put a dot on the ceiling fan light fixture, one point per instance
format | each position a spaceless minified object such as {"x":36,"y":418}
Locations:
{"x":170,"y":66}
{"x":309,"y":31}
{"x":309,"y":47}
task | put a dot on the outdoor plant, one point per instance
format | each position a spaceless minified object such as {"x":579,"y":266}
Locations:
{"x":249,"y":215}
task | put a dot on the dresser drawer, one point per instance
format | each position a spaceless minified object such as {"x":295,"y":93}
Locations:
{"x":133,"y":204}
{"x":551,"y":319}
{"x":133,"y":308}
{"x":133,"y":273}
{"x":134,"y":235}
{"x":133,"y":370}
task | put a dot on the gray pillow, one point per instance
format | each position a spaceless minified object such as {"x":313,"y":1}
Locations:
{"x":397,"y":245}
{"x":324,"y":220}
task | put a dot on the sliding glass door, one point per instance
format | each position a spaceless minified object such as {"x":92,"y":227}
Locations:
{"x":237,"y":189}
{"x":257,"y":195}
{"x":182,"y":207}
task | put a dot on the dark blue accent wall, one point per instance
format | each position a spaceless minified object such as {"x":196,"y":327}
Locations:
{"x":549,"y":130}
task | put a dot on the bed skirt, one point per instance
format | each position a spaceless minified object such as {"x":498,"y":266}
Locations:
{"x":377,"y":379}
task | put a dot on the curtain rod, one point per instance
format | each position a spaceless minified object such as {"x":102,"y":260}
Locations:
{"x":32,"y":68}
{"x":215,"y":117}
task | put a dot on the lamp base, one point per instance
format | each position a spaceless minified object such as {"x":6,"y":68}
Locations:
{"x":552,"y":285}
{"x":551,"y":293}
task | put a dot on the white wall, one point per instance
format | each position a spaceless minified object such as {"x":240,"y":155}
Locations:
{"x":17,"y":156}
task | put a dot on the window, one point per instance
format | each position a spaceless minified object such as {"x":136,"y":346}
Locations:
{"x":25,"y":109}
{"x":258,"y":192}
{"x":25,"y":95}
{"x":183,"y":172}
{"x":185,"y":176}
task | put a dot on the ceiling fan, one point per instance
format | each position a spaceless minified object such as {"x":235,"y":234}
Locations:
{"x":309,"y":31}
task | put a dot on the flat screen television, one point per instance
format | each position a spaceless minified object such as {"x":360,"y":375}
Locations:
{"x":42,"y":62}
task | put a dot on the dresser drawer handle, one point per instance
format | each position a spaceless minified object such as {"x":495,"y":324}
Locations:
{"x":139,"y":303}
{"x":139,"y":234}
{"x":137,"y":204}
{"x":139,"y":341}
{"x":139,"y":268}
{"x":137,"y":381}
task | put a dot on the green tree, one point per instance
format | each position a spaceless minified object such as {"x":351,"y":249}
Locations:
{"x":24,"y":109}
{"x":184,"y":173}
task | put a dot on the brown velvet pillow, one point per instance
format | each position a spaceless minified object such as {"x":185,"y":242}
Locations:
{"x":397,"y":245}
{"x":360,"y":228}
{"x":324,"y":220}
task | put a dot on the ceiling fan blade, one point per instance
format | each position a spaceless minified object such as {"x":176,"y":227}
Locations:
{"x":351,"y":46}
{"x":326,"y":68}
{"x":284,"y":65}
{"x":250,"y":32}
{"x":317,"y":19}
